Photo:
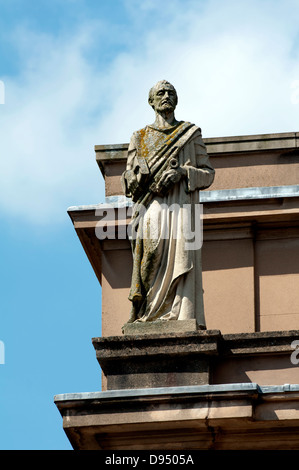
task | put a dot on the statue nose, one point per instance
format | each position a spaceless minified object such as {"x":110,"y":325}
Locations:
{"x":166,"y":96}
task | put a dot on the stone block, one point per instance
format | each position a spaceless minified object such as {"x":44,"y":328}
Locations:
{"x":157,"y":360}
{"x":161,"y":327}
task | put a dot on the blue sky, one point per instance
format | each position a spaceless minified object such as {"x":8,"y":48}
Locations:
{"x":77,"y":73}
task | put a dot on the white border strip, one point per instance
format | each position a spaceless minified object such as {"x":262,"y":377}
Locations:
{"x":240,"y":194}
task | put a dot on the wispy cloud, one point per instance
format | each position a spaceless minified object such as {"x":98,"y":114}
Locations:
{"x":233,"y":64}
{"x":48,"y":129}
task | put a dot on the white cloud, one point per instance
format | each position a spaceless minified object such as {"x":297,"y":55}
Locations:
{"x":47,"y":136}
{"x":233,"y":64}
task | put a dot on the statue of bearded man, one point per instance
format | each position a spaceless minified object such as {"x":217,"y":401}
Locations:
{"x":167,"y":165}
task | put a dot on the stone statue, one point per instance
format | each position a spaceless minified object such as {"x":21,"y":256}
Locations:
{"x":167,"y":165}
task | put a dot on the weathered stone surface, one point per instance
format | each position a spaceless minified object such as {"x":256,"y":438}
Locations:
{"x":161,"y":327}
{"x":157,"y":360}
{"x":260,"y":342}
{"x":198,"y":357}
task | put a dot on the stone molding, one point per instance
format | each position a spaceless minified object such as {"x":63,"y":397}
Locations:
{"x":236,"y":416}
{"x":176,"y":359}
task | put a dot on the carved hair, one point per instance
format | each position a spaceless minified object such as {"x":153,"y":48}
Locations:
{"x":158,"y":84}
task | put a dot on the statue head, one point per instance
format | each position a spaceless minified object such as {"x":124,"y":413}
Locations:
{"x":163,"y":97}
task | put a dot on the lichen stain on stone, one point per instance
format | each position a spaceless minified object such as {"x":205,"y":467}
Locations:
{"x":149,"y":139}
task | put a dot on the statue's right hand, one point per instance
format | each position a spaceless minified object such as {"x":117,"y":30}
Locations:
{"x":132,"y":186}
{"x":132,"y":183}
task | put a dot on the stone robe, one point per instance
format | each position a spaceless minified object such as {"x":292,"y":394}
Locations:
{"x":167,"y":277}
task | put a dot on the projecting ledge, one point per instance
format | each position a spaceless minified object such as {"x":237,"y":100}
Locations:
{"x":228,"y":416}
{"x":66,"y":400}
{"x":62,"y":400}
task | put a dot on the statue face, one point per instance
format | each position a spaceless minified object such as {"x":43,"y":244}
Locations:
{"x":164,"y":98}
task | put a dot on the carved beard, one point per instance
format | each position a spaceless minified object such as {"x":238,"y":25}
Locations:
{"x":166,"y":107}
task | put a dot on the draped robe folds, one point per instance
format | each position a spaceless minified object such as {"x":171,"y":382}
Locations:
{"x":167,"y":278}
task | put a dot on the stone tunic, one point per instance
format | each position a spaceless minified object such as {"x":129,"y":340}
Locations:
{"x":167,"y":276}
